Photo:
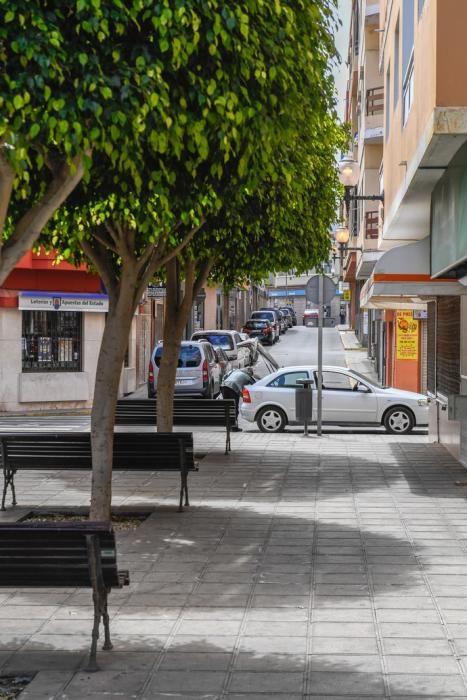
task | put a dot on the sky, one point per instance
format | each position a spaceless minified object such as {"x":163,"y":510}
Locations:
{"x":342,"y":43}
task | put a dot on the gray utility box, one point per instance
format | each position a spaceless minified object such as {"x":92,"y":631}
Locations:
{"x":304,"y":400}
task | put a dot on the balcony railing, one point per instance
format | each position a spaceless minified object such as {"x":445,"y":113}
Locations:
{"x":374,"y":101}
{"x":371,"y":225}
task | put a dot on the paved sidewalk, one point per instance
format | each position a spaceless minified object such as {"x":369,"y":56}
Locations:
{"x":316,"y":568}
{"x":356,"y":357}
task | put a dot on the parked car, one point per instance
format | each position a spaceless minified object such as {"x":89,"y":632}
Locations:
{"x":198,"y":372}
{"x":283,"y":325}
{"x":226,"y":340}
{"x":349,"y":398}
{"x":261,"y":329}
{"x":310,"y":317}
{"x":291,"y":311}
{"x":268,"y":315}
{"x":285,"y":311}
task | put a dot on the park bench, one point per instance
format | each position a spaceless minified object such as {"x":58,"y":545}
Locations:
{"x":133,"y":451}
{"x":196,"y":412}
{"x":64,"y":555}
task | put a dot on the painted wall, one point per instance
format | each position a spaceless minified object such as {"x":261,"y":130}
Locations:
{"x":404,"y":140}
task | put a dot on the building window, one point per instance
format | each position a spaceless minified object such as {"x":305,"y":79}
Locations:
{"x":408,"y":33}
{"x":396,"y":64}
{"x":387,"y":107}
{"x":407,"y":94}
{"x":52,"y":341}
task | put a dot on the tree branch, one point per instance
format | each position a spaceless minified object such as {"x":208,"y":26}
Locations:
{"x":152,"y":260}
{"x":178,"y":249}
{"x":7,"y":178}
{"x":202,"y":277}
{"x":106,"y":242}
{"x":29,"y":227}
{"x":99,"y":257}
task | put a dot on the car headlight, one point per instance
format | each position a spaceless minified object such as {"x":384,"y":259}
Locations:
{"x":422,"y":402}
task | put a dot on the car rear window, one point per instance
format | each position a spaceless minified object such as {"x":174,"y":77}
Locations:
{"x":256,"y":325}
{"x":217,"y":339}
{"x":268,"y":315}
{"x":189,"y":356}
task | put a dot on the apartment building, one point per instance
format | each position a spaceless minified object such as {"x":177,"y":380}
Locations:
{"x":419,"y":282}
{"x":365,"y":114}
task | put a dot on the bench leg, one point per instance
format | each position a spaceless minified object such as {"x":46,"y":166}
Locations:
{"x":105,"y":617}
{"x":8,"y":481}
{"x":98,"y":589}
{"x":183,"y":491}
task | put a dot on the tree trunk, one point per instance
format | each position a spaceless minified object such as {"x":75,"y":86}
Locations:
{"x":109,"y":367}
{"x":226,"y":309}
{"x":176,"y":316}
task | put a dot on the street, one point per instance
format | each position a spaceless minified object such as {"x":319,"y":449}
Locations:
{"x":299,"y":346}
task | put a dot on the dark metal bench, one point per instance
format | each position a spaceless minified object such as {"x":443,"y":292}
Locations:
{"x":72,"y":450}
{"x":64,"y":555}
{"x":202,"y":412}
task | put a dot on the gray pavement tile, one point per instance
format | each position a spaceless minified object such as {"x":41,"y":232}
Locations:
{"x":422,"y":664}
{"x":266,"y":682}
{"x":273,"y":645}
{"x":346,"y":645}
{"x":345,"y":663}
{"x":341,"y":615}
{"x":260,"y":696}
{"x":248,"y":661}
{"x":46,"y":684}
{"x":343,"y":629}
{"x":407,"y":615}
{"x":268,"y":628}
{"x":278,"y":614}
{"x":196,"y":661}
{"x":420,"y":630}
{"x":210,"y":627}
{"x":344,"y":684}
{"x":34,"y":661}
{"x":412,"y":647}
{"x":202,"y":643}
{"x":422,"y":684}
{"x":186,"y":681}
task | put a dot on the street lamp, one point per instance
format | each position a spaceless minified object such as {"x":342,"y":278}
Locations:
{"x":349,"y":175}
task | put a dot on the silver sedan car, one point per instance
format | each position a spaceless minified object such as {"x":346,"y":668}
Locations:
{"x":349,"y":398}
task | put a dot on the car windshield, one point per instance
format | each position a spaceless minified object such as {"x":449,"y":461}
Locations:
{"x":217,"y":339}
{"x":256,"y":325}
{"x":189,"y":356}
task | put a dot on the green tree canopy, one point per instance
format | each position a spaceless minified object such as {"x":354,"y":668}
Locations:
{"x":196,"y":103}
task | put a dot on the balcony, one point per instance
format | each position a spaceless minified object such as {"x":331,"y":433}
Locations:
{"x":371,"y":225}
{"x":374,"y":101}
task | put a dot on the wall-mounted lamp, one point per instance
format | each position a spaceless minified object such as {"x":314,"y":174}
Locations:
{"x":342,"y":236}
{"x":349,"y":175}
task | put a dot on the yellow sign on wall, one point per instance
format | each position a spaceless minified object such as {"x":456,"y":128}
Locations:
{"x":347,"y":295}
{"x":406,"y":336}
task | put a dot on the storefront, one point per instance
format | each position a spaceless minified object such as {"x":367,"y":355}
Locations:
{"x":50,"y":340}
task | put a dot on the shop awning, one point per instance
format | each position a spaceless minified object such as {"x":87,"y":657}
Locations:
{"x":401,"y":279}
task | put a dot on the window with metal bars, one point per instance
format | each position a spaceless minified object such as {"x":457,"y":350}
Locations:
{"x":51,"y":341}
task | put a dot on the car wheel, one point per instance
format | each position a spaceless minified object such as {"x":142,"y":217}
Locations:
{"x":271,"y":420}
{"x":398,"y":420}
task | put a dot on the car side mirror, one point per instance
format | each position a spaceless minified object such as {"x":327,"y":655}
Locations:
{"x":363,"y":389}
